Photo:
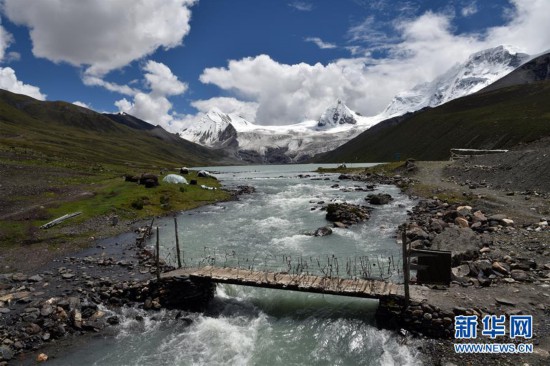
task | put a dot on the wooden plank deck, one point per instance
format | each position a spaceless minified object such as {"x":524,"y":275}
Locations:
{"x":374,"y":289}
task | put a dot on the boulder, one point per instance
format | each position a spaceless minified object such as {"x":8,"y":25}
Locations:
{"x":347,"y":213}
{"x":417,"y":233}
{"x":203,"y":174}
{"x":379,"y":199}
{"x":463,"y":243}
{"x":323,"y":231}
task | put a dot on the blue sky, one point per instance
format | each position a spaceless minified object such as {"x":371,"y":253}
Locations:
{"x":273,"y":62}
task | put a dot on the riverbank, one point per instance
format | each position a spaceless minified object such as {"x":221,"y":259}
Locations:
{"x":499,"y":239}
{"x":44,"y":308}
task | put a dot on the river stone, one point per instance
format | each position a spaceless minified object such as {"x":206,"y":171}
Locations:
{"x":519,"y":275}
{"x":505,"y":301}
{"x":464,"y":210}
{"x":462,"y":222}
{"x":507,"y":222}
{"x":323,"y":231}
{"x":6,"y":353}
{"x":497,"y":217}
{"x":501,"y":267}
{"x":19,"y":277}
{"x":479,"y":217}
{"x":46,"y":310}
{"x":417,"y":233}
{"x":76,"y":318}
{"x":461,"y":271}
{"x":33,"y":328}
{"x":379,"y":199}
{"x":67,"y":276}
{"x":35,"y":278}
{"x":463,"y":243}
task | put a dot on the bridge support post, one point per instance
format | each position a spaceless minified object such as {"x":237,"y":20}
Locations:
{"x":177,"y":242}
{"x":406,"y":267}
{"x":157,"y":257}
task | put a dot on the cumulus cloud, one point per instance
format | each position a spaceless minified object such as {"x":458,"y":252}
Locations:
{"x":154,"y":106}
{"x":320,"y":43}
{"x":528,"y":27}
{"x":101,"y":35}
{"x":246,"y":110}
{"x":9,"y":81}
{"x":420,"y":49}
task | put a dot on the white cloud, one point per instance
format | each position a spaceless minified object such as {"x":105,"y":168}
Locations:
{"x":154,"y":106}
{"x":247,"y":110}
{"x":91,"y":80}
{"x":82,"y":104}
{"x":6,"y":40}
{"x":290,"y":93}
{"x":469,"y":9}
{"x":101,"y":35}
{"x":301,"y":5}
{"x":320,"y":43}
{"x":529,"y":27}
{"x":153,"y":109}
{"x":161,"y":80}
{"x":9,"y":81}
{"x":422,"y":48}
{"x":12,"y":56}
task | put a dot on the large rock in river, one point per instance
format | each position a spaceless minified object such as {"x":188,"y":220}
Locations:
{"x":379,"y":199}
{"x":347,"y":213}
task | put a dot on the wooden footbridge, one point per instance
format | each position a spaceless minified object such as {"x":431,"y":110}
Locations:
{"x":363,"y":288}
{"x":301,"y":279}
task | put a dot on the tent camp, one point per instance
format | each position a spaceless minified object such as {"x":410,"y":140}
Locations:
{"x":174,"y":179}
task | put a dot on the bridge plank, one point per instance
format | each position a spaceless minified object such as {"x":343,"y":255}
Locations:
{"x":304,"y":282}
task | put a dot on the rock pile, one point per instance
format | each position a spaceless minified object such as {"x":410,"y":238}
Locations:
{"x":346,"y":214}
{"x":470,"y":234}
{"x":379,"y":199}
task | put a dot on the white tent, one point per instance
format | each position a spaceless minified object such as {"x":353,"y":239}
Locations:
{"x":174,"y":179}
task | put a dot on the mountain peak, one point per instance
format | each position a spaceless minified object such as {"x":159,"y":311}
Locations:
{"x":478,"y":71}
{"x":337,"y":115}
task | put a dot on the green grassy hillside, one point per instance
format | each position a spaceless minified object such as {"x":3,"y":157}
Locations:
{"x":63,"y":130}
{"x":491,"y":120}
{"x":58,"y":158}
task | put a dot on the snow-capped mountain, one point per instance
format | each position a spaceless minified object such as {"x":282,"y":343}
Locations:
{"x":338,"y":124}
{"x":290,"y":143}
{"x":480,"y":70}
{"x":215,"y":129}
{"x":338,"y":115}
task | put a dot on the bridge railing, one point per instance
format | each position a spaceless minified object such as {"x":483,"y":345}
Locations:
{"x":353,"y":266}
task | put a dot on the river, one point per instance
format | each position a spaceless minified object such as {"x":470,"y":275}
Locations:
{"x":251,"y":326}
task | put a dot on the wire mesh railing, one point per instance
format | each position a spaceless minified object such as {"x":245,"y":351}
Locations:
{"x":354,"y":266}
